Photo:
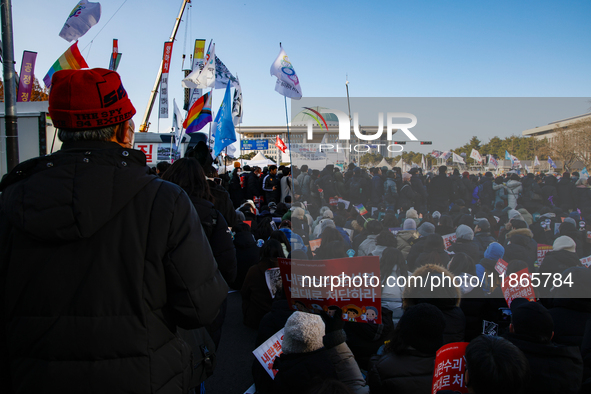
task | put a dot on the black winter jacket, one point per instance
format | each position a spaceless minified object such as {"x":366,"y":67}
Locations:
{"x":409,"y":373}
{"x":483,"y":239}
{"x":406,"y":196}
{"x":99,"y":264}
{"x":553,"y":368}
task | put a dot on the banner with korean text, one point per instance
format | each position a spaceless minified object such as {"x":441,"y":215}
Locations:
{"x":27,"y":77}
{"x":164,"y":81}
{"x":352,"y":284}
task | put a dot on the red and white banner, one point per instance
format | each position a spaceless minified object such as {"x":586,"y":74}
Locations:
{"x":476,"y":155}
{"x":164,"y":81}
{"x":542,"y":251}
{"x":269,"y":351}
{"x":450,"y":367}
{"x":501,"y":266}
{"x":518,"y":287}
{"x":449,"y":239}
{"x":352,"y":284}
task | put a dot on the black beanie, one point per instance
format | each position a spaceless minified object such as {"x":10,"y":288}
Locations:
{"x":421,"y":327}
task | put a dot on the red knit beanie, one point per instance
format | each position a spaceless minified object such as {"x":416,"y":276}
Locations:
{"x":88,"y":99}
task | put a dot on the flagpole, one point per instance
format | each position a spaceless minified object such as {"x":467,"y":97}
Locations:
{"x":288,"y":135}
{"x":349,"y":106}
{"x":212,"y":117}
{"x":171,"y":137}
{"x":144,"y":125}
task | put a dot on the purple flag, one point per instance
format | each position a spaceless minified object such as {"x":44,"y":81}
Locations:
{"x":27,"y":77}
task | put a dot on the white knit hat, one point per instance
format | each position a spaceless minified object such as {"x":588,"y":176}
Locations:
{"x":564,"y":243}
{"x":303,"y":333}
{"x":412,"y":214}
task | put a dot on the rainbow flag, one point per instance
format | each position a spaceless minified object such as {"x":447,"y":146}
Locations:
{"x":199,"y":114}
{"x":361,"y":209}
{"x":70,"y":60}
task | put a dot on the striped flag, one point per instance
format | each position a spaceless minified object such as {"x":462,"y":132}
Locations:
{"x":70,"y":60}
{"x":199,"y":114}
{"x":361,"y":209}
{"x":493,"y":161}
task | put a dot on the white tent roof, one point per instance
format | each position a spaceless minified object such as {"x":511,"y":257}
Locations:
{"x":258,"y":156}
{"x":384,"y":163}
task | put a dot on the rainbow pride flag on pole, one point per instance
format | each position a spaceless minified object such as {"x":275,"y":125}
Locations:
{"x":199,"y":114}
{"x":70,"y":60}
{"x":361,"y":209}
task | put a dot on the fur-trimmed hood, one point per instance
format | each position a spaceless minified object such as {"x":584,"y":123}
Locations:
{"x":520,"y":231}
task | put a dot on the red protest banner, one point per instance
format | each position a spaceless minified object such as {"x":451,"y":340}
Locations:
{"x":449,"y":239}
{"x":501,"y":266}
{"x":352,"y":284}
{"x":518,"y":286}
{"x":542,"y":250}
{"x":586,"y":261}
{"x":450,"y":366}
{"x":269,"y":351}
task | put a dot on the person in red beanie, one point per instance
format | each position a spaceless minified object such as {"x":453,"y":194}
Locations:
{"x":100,"y":261}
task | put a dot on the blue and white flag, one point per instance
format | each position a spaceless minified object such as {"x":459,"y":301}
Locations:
{"x":510,"y":157}
{"x":288,"y":83}
{"x":584,"y":172}
{"x":536,"y":162}
{"x":551,"y":162}
{"x":225,"y":134}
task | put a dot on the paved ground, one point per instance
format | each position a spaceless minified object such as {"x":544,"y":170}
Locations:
{"x":232,"y":374}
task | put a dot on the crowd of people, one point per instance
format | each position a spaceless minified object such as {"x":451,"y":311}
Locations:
{"x":540,"y":346}
{"x":115,"y":276}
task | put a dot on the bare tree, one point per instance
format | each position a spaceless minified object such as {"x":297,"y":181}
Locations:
{"x":564,"y":146}
{"x":582,"y":130}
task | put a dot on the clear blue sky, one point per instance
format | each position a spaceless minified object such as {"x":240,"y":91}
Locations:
{"x":387,"y":48}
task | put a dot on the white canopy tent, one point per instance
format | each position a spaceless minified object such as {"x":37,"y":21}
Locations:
{"x":384,"y":163}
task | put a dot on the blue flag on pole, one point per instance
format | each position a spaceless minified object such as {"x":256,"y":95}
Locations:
{"x":225,"y":134}
{"x":551,"y":162}
{"x":584,"y":172}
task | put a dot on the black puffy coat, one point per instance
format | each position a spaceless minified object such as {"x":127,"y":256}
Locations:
{"x":410,"y":373}
{"x":440,"y":192}
{"x":466,"y":246}
{"x":297,"y":373}
{"x":566,"y":193}
{"x":116,"y":259}
{"x":247,"y":255}
{"x":483,"y":239}
{"x":222,"y":202}
{"x":253,"y":186}
{"x":407,"y":197}
{"x":552,"y":368}
{"x":219,"y":236}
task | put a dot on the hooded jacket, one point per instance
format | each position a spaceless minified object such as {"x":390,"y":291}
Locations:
{"x":99,"y":263}
{"x":404,"y":239}
{"x":553,"y":368}
{"x":514,"y":188}
{"x":408,"y":373}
